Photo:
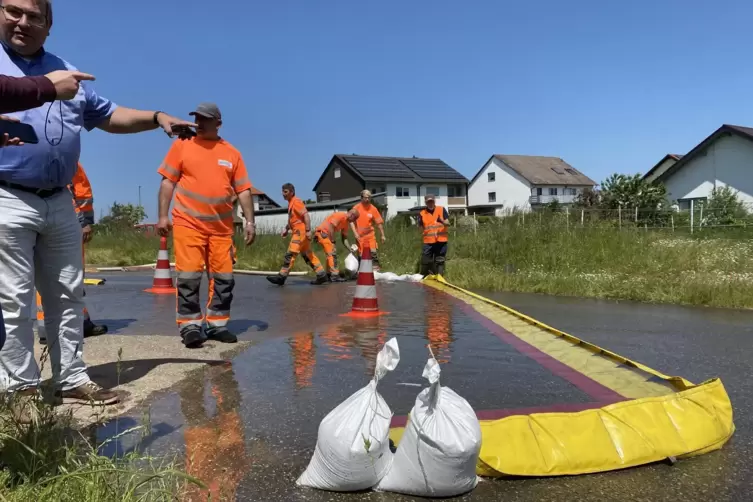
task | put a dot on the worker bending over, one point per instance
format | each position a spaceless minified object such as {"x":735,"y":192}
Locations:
{"x":205,"y":172}
{"x":434,"y":220}
{"x":83,"y":203}
{"x":300,"y":224}
{"x":327,"y":232}
{"x":363,"y":227}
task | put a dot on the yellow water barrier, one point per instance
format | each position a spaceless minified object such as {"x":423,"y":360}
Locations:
{"x":663,"y":417}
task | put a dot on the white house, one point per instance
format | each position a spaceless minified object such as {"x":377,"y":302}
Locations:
{"x":262,"y":202}
{"x":521,"y":182}
{"x":724,"y":158}
{"x":661,"y":167}
{"x":404,"y":181}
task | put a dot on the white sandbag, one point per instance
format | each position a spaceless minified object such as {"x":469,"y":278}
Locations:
{"x":437,"y":454}
{"x":351,"y":263}
{"x":353,"y":447}
{"x":390,"y":276}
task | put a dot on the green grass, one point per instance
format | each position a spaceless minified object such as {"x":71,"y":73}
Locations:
{"x":52,"y":459}
{"x":711,"y":267}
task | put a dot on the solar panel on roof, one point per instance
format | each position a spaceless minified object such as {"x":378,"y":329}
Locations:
{"x":432,"y":168}
{"x":558,"y":170}
{"x":380,"y":168}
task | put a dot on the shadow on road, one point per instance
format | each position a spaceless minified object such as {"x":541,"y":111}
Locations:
{"x":240,"y":326}
{"x":115,"y":325}
{"x":109,"y":376}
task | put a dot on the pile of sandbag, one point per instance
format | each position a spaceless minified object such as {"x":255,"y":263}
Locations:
{"x":391,"y":277}
{"x":436,"y":455}
{"x":353,"y":446}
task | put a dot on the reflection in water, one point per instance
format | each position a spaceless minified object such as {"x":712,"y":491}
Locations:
{"x":439,"y":324}
{"x":367,"y":336}
{"x":303,"y":352}
{"x":215,"y":445}
{"x":340,"y":344}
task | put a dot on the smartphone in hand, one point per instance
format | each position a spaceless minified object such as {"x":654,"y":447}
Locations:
{"x":24,"y":132}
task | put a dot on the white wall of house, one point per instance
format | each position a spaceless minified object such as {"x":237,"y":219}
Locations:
{"x":412,"y":196}
{"x":727,"y":162}
{"x":509,"y":188}
{"x":666,"y":164}
{"x":563,"y":194}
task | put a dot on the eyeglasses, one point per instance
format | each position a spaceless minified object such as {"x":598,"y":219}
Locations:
{"x":15,"y":14}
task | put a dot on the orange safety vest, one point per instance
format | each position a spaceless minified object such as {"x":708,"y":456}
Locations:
{"x":336,"y":222}
{"x":434,"y":231}
{"x":83,"y":197}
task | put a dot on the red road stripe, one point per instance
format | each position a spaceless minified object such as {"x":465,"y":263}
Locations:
{"x":591,"y":387}
{"x":499,"y":414}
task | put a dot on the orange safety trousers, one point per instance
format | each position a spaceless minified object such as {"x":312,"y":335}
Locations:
{"x":300,"y":244}
{"x":330,"y":249}
{"x":194,"y":252}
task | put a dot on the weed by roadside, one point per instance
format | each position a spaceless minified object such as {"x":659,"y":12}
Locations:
{"x":551,"y":257}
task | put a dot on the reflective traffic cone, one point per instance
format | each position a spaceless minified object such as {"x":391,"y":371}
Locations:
{"x":365,"y":302}
{"x":163,"y":279}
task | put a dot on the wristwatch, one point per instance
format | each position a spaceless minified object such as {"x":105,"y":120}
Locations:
{"x":156,"y":122}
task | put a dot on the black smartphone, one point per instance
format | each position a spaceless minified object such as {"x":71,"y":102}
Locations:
{"x":24,"y":132}
{"x":183,"y":131}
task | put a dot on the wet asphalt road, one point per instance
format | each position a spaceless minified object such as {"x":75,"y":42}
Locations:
{"x":253,"y":422}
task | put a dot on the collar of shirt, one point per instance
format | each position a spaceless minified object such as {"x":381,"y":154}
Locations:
{"x":52,"y":162}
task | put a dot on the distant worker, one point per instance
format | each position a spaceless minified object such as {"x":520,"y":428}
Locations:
{"x":83,"y":203}
{"x":363,"y":227}
{"x":300,"y":224}
{"x":204,"y":172}
{"x":434,"y":221}
{"x":325,"y":235}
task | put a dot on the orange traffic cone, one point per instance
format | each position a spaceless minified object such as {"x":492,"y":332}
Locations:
{"x":163,"y":279}
{"x":365,"y":302}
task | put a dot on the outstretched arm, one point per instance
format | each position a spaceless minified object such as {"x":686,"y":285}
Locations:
{"x":128,"y":121}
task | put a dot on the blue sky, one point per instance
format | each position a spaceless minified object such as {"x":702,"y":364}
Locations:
{"x":608,"y":86}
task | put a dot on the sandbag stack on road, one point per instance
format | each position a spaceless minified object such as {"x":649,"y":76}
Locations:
{"x":437,"y":454}
{"x":352,"y":449}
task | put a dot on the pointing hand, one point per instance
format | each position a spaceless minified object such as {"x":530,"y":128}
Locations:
{"x":67,"y":82}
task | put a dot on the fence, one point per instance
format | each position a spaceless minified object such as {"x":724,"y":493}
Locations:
{"x":699,"y":217}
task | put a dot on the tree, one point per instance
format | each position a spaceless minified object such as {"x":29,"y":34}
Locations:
{"x":123,"y":216}
{"x":588,"y":198}
{"x":620,"y":190}
{"x":724,"y":207}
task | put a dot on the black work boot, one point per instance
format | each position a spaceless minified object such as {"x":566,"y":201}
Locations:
{"x":221,"y":335}
{"x":91,"y":329}
{"x":336,"y":278}
{"x":320,"y":279}
{"x":279,"y":280}
{"x":192,"y":337}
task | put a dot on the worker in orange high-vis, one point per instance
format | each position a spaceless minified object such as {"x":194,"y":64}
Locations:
{"x":363,"y":227}
{"x":325,"y":235}
{"x":299,"y":224}
{"x":204,"y":172}
{"x":83,"y":203}
{"x":433,"y":220}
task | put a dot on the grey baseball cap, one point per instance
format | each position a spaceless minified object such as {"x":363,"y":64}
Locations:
{"x":208,"y":110}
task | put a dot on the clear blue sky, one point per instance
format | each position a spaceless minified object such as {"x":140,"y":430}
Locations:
{"x":608,"y":86}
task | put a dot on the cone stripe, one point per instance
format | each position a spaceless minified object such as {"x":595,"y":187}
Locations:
{"x":161,"y":273}
{"x":366,"y":279}
{"x":366,"y":266}
{"x":162,"y":255}
{"x":365,"y":292}
{"x":365,"y":305}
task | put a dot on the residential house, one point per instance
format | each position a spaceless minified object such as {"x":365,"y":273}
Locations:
{"x":722,"y":159}
{"x":522,"y":182}
{"x":262,"y":202}
{"x":405,"y":181}
{"x":661,"y":167}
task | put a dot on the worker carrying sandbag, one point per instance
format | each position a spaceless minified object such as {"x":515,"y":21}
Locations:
{"x":325,"y":235}
{"x":353,"y":446}
{"x":299,"y":222}
{"x":363,"y":228}
{"x":437,"y":454}
{"x":433,"y":220}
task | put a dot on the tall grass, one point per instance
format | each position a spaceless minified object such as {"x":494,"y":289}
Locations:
{"x":709,"y":267}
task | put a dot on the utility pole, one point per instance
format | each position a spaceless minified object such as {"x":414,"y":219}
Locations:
{"x":139,"y":195}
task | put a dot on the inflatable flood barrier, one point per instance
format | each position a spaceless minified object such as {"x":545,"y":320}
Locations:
{"x":638,"y":415}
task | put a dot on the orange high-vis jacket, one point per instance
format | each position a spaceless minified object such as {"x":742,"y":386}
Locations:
{"x":83,"y":197}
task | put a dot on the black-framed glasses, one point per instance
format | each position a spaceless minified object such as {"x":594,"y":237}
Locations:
{"x":15,"y":14}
